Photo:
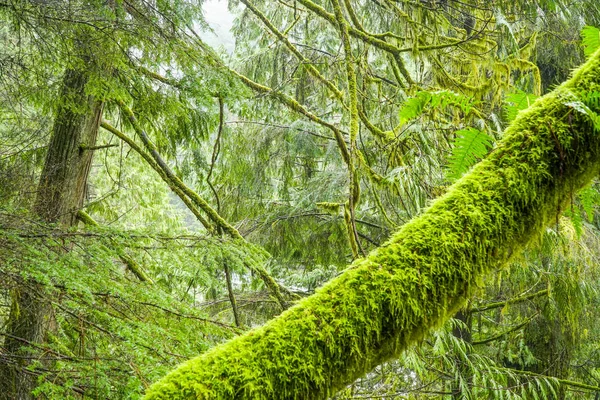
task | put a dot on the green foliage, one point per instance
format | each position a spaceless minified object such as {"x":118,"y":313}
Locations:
{"x":588,"y":198}
{"x":114,"y":334}
{"x":517,"y":101}
{"x":470,"y":146}
{"x":585,"y":104}
{"x":424,"y":274}
{"x":414,"y":106}
{"x":278,"y":176}
{"x":590,"y":39}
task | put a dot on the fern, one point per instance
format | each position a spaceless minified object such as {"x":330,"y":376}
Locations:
{"x":583,"y":209}
{"x":588,"y":197}
{"x":415,"y":106}
{"x":516,"y":102}
{"x":590,"y":38}
{"x":585,"y":104}
{"x":469,"y":146}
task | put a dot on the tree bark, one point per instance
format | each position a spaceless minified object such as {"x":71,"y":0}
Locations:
{"x":423,"y":275}
{"x":62,"y":186}
{"x":60,"y":194}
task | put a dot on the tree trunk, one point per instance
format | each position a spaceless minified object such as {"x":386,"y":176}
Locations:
{"x":61,"y":190}
{"x":60,"y":194}
{"x":423,"y":275}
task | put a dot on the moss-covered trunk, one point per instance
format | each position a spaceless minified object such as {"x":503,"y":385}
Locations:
{"x":422,"y":275}
{"x":61,"y":192}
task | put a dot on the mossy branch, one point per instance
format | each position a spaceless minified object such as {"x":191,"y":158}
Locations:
{"x":172,"y":185}
{"x":423,"y":275}
{"x":353,"y":177}
{"x":293,"y":105}
{"x":386,"y":135}
{"x":373,"y":40}
{"x":198,"y":201}
{"x":183,"y":191}
{"x":131,"y":264}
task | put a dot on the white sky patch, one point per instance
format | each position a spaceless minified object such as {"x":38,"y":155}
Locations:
{"x":220,"y":20}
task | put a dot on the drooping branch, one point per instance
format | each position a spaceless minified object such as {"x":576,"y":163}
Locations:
{"x":491,"y":306}
{"x":172,"y":185}
{"x":198,"y":201}
{"x":192,"y":200}
{"x":293,"y":105}
{"x":504,"y":333}
{"x":422,"y":275}
{"x":131,"y":264}
{"x":373,"y":40}
{"x":565,"y":382}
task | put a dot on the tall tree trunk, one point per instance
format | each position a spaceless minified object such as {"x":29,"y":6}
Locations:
{"x":62,"y":186}
{"x":60,"y":194}
{"x":423,"y":275}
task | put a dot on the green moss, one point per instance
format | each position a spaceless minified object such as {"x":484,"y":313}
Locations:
{"x":421,"y":276}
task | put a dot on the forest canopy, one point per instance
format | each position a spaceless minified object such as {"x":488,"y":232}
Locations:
{"x":162,"y":198}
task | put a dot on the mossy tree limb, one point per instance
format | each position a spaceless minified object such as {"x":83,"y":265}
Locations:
{"x":172,"y":185}
{"x":129,"y":262}
{"x":194,"y":202}
{"x":422,"y":275}
{"x":198,"y":201}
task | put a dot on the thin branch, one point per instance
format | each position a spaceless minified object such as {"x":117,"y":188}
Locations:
{"x":519,"y":299}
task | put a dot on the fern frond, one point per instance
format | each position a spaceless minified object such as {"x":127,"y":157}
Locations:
{"x":590,"y":39}
{"x":516,"y":102}
{"x":469,"y":146}
{"x":588,"y":198}
{"x":415,"y":106}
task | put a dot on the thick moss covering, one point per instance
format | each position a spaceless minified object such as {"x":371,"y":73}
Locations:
{"x":421,"y":276}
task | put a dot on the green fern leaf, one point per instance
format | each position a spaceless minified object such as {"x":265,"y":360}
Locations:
{"x":415,"y":106}
{"x":586,"y":104}
{"x":588,"y":198}
{"x":590,"y":38}
{"x":516,"y":102}
{"x":469,"y":146}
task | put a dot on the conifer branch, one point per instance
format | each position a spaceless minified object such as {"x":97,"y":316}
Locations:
{"x":504,"y":333}
{"x":182,"y":191}
{"x":173,"y":185}
{"x":198,"y":201}
{"x":566,"y":382}
{"x":131,"y":264}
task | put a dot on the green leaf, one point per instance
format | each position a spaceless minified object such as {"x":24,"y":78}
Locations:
{"x":516,"y":102}
{"x":469,"y":146}
{"x":590,"y":38}
{"x":585,"y":104}
{"x":415,"y":106}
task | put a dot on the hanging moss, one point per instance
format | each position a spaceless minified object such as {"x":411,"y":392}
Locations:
{"x":421,"y":276}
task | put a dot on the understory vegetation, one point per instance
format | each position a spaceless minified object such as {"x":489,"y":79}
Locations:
{"x":163,"y":199}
